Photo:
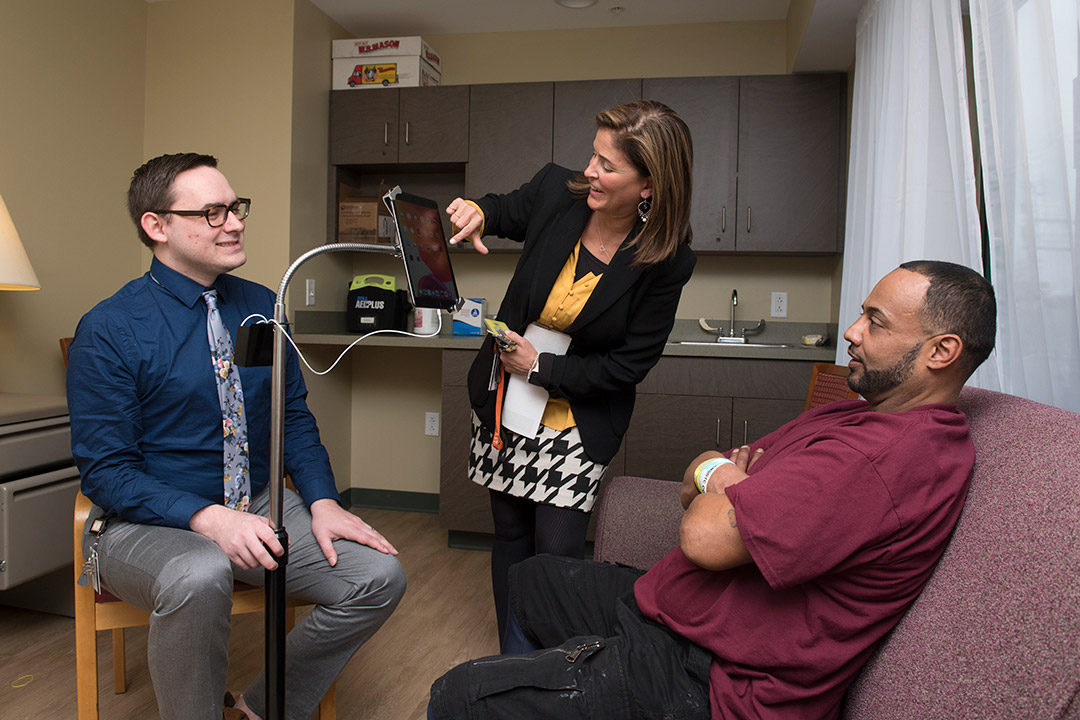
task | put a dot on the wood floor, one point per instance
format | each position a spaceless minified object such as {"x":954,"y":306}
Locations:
{"x":446,"y":617}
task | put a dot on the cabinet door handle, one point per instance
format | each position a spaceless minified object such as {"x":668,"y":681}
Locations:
{"x":745,"y":427}
{"x":717,"y":432}
{"x":407,"y":132}
{"x":723,"y":219}
{"x":747,"y":219}
{"x":385,"y":134}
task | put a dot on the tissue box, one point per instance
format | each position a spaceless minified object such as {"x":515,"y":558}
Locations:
{"x":469,"y":319}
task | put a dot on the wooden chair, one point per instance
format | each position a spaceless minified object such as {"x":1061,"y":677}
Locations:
{"x":828,"y":383}
{"x":104,"y":611}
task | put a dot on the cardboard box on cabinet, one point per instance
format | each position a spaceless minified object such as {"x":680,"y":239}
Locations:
{"x":405,"y":61}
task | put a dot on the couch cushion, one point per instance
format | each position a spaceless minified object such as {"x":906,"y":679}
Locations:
{"x":996,"y":633}
{"x":637,"y":522}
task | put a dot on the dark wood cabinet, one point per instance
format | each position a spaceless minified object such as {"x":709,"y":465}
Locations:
{"x":399,"y":126}
{"x":575,"y":107}
{"x":768,"y":150}
{"x":509,"y":140}
{"x":754,"y":418}
{"x":509,"y":135}
{"x":688,"y":405}
{"x":791,"y":140}
{"x":363,"y":127}
{"x":463,"y":505}
{"x":433,"y":125}
{"x":710,"y":108}
{"x":668,"y":431}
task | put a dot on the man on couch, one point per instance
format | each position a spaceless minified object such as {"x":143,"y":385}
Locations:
{"x":797,"y":554}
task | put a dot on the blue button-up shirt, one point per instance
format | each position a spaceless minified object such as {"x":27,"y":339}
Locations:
{"x":146,"y":428}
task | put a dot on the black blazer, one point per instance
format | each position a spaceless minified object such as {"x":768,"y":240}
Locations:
{"x":619,"y":334}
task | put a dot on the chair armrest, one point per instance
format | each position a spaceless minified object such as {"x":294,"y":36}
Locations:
{"x":638,"y":521}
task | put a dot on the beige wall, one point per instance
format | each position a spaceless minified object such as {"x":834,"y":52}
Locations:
{"x":329,"y":395}
{"x":749,"y":48}
{"x":219,"y":81}
{"x":70,"y":133}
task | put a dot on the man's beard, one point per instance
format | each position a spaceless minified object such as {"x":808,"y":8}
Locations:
{"x":875,"y":382}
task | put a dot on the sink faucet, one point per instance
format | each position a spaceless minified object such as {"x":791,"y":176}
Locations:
{"x":734,"y":302}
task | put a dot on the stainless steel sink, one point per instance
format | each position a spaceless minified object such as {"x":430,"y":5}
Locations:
{"x":713,"y":343}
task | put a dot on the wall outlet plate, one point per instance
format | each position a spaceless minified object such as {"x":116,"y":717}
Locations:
{"x":778,"y":305}
{"x":431,"y":424}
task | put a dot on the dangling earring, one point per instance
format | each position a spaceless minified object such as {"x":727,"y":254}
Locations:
{"x":643,"y":209}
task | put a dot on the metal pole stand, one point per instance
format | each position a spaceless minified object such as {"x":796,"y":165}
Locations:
{"x":275,"y":579}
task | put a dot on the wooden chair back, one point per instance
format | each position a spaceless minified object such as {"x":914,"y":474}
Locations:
{"x":828,"y":383}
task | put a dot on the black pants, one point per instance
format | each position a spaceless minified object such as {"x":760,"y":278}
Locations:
{"x":601,"y":657}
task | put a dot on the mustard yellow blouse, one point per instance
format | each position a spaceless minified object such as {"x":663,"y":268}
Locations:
{"x":565,"y":301}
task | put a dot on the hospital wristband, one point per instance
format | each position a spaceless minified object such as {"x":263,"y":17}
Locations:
{"x":705,"y":470}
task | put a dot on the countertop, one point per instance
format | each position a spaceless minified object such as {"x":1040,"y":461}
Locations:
{"x":314,"y":327}
{"x":19,"y":407}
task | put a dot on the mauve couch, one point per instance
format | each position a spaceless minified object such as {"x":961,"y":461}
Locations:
{"x":996,"y":633}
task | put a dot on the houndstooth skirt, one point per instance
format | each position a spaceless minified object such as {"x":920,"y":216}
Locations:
{"x":551,"y":468}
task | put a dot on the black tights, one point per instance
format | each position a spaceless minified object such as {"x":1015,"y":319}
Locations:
{"x":524,"y":528}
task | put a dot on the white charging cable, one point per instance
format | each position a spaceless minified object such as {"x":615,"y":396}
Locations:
{"x":264,"y":320}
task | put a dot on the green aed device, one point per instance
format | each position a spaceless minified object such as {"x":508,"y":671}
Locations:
{"x":375,"y":303}
{"x":386,"y":282}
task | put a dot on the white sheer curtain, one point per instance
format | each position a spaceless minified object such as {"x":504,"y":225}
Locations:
{"x":911,"y":182}
{"x":1025,"y":64}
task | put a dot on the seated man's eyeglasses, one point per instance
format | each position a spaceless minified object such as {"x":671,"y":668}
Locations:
{"x":215,"y":215}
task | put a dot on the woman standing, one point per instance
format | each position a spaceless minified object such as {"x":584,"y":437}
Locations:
{"x":605,"y":255}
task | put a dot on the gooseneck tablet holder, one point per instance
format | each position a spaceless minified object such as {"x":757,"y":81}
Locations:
{"x":275,"y":579}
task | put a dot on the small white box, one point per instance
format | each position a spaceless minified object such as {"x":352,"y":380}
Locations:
{"x":470,"y":318}
{"x":390,"y":71}
{"x":381,"y":47}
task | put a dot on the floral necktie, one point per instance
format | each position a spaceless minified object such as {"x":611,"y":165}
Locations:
{"x":231,"y":398}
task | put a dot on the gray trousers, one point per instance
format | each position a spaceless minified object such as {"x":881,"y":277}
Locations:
{"x":185,"y":580}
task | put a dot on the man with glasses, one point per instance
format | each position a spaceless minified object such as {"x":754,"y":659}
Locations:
{"x":172,"y":441}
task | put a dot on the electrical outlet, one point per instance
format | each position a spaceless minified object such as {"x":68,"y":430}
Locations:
{"x":431,"y":424}
{"x":309,"y":297}
{"x":778,"y":307}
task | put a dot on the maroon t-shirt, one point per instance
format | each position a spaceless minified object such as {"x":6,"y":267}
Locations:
{"x":845,"y":516}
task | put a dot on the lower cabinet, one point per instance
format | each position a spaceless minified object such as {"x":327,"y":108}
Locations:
{"x":685,"y":406}
{"x":463,"y":505}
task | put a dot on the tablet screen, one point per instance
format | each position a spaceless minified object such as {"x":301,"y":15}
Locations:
{"x":425,"y":252}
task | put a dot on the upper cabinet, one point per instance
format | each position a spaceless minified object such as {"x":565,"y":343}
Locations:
{"x":767,"y":160}
{"x":768,"y":150}
{"x":399,"y":126}
{"x":791,"y":140}
{"x":509,"y":140}
{"x":576,"y":106}
{"x":509,"y":136}
{"x":710,"y":107}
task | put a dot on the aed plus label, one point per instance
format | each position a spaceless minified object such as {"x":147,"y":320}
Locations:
{"x":362,"y":303}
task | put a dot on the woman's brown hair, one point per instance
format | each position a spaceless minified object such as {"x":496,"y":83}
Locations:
{"x":657,"y":143}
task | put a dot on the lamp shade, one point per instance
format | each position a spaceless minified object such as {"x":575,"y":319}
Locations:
{"x":16,"y":273}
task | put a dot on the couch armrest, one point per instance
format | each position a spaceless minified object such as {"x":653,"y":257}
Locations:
{"x":637,"y":522}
